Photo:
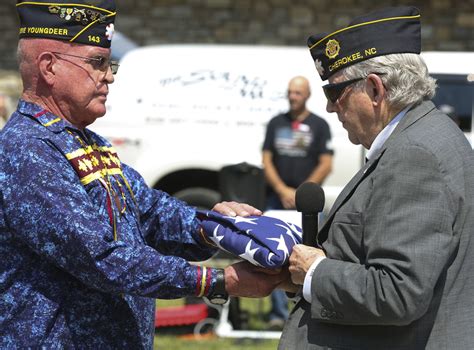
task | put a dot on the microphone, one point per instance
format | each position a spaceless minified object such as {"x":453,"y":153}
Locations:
{"x":309,"y":199}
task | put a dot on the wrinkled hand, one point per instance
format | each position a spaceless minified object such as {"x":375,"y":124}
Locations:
{"x":301,"y":259}
{"x":236,"y":209}
{"x":287,"y":197}
{"x":243,"y":279}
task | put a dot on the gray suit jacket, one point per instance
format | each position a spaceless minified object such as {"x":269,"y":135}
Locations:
{"x":400,"y":266}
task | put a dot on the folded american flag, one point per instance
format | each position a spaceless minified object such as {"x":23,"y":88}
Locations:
{"x":261,"y":240}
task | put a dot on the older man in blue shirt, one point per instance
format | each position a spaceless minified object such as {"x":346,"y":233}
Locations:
{"x":86,"y":245}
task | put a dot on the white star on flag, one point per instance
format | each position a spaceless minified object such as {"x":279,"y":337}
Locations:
{"x":238,"y":219}
{"x":269,"y":257}
{"x":249,"y":254}
{"x":289,"y":233}
{"x":294,"y":229}
{"x":215,"y":238}
{"x":281,"y":245}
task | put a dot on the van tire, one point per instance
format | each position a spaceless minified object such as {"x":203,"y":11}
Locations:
{"x":200,"y":197}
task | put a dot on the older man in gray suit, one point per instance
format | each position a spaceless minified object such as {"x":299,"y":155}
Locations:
{"x":394,"y":266}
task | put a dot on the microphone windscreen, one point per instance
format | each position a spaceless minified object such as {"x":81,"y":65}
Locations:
{"x":309,"y":198}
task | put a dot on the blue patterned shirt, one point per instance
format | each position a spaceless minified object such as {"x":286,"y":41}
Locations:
{"x":85,"y":244}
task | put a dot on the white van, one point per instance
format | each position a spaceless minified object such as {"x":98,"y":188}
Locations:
{"x":179,"y":113}
{"x":454,"y":72}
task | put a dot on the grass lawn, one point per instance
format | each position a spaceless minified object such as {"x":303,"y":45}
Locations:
{"x":181,"y":339}
{"x":177,"y":343}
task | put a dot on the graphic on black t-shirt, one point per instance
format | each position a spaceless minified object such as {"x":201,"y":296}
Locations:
{"x":297,"y":146}
{"x":293,"y":141}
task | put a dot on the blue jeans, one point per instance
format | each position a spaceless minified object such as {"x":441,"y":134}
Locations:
{"x":279,"y":309}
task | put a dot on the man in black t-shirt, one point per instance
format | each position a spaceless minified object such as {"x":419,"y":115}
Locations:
{"x":296,"y":149}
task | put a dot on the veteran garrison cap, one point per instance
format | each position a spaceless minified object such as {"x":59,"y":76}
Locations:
{"x":382,"y":32}
{"x":89,"y":22}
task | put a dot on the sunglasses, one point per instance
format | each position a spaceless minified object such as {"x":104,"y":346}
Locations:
{"x":334,"y":91}
{"x":98,"y":63}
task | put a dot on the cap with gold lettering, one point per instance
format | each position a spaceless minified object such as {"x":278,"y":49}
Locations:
{"x":382,"y":32}
{"x":89,"y":22}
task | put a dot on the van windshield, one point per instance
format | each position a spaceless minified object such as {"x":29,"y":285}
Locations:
{"x":455,"y":97}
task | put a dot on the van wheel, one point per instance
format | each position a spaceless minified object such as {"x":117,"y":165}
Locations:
{"x":200,"y":197}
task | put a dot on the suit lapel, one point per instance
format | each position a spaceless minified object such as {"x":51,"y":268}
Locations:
{"x":411,"y":117}
{"x":345,"y":195}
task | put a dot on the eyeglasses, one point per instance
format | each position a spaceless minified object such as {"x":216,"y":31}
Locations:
{"x":98,"y":63}
{"x":334,"y":91}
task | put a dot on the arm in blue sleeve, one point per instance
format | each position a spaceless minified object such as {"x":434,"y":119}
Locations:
{"x":169,"y":225}
{"x":49,"y":211}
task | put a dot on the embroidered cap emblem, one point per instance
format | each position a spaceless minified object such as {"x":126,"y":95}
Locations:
{"x":332,"y":48}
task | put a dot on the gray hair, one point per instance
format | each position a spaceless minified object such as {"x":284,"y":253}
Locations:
{"x":404,"y":75}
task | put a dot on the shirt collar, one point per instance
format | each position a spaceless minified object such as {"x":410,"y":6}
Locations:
{"x":385,"y":133}
{"x":43,"y":116}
